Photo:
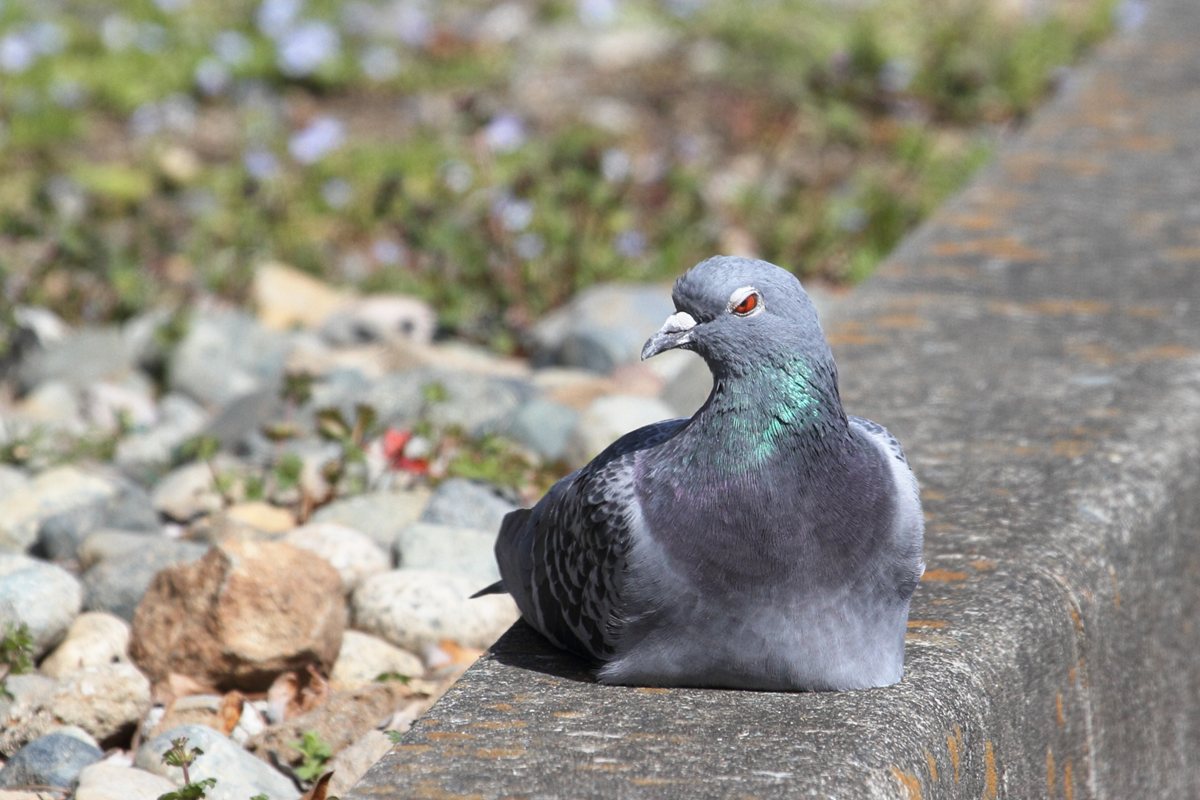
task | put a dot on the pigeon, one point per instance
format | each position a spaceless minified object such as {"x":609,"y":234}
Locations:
{"x":769,"y":542}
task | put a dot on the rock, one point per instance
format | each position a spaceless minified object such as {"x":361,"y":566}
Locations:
{"x":688,"y":388}
{"x":94,"y":639}
{"x":452,"y":356}
{"x":53,"y":405}
{"x":226,"y":354}
{"x":242,"y":418}
{"x":609,"y":418}
{"x":412,"y":608}
{"x":53,"y":492}
{"x":380,"y":515}
{"x":602,"y":327}
{"x":117,"y":585}
{"x":209,"y":710}
{"x":130,"y":509}
{"x":241,"y":615}
{"x":44,"y":597}
{"x":79,"y":359}
{"x":143,"y":454}
{"x":52,"y":760}
{"x":352,"y":553}
{"x":352,"y":763}
{"x":105,"y":701}
{"x":286,"y":298}
{"x":468,"y":504}
{"x":449,"y":548}
{"x":342,"y":719}
{"x":111,"y":782}
{"x":261,"y":516}
{"x":543,"y":426}
{"x":112,"y":405}
{"x":473,"y":402}
{"x":365,"y":657}
{"x":239,"y":774}
{"x":382,"y":318}
{"x":106,"y":545}
{"x":22,"y":691}
{"x":11,"y":480}
{"x":188,"y":492}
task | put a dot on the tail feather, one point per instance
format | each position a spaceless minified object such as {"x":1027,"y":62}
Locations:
{"x":495,"y":588}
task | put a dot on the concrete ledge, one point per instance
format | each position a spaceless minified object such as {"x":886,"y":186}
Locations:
{"x":1037,"y":349}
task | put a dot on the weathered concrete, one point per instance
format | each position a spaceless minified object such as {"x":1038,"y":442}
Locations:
{"x":1037,"y":348}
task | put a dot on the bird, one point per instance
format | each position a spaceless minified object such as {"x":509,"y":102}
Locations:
{"x":769,"y":542}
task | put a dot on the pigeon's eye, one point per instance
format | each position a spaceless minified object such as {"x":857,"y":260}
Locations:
{"x":747,"y":304}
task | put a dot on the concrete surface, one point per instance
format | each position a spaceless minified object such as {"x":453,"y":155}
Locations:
{"x":1037,"y":349}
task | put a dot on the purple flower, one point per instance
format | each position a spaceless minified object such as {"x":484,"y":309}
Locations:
{"x":380,"y":63}
{"x":1130,"y":14}
{"x":305,"y":48}
{"x":596,"y":13}
{"x":409,"y":22}
{"x":615,"y":165}
{"x":514,"y":214}
{"x":630,"y":244}
{"x":337,"y":193}
{"x":261,"y":164}
{"x":319,"y":138}
{"x":457,"y":175}
{"x":275,"y":17}
{"x":118,"y":32}
{"x":17,"y":53}
{"x":48,"y":38}
{"x":211,"y":76}
{"x":232,"y":47}
{"x":504,"y":134}
{"x":386,"y":251}
{"x":530,"y":246}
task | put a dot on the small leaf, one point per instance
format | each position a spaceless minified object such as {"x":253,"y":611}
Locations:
{"x":331,"y":425}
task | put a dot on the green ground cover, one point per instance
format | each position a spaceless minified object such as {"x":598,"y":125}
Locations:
{"x":491,"y":158}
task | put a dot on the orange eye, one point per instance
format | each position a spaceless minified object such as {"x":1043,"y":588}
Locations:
{"x":748,"y":304}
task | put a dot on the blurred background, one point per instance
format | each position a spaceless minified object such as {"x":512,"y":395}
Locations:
{"x":490,"y":158}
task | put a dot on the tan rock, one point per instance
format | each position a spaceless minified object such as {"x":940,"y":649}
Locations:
{"x":241,"y":615}
{"x":365,"y":657}
{"x":351,"y":764}
{"x":261,"y":516}
{"x":287,"y":298}
{"x":112,"y":782}
{"x":94,"y":638}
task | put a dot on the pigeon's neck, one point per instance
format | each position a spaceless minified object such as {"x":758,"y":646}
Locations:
{"x":762,"y":412}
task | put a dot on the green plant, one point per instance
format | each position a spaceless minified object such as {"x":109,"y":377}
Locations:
{"x":181,"y":756}
{"x":16,"y":654}
{"x":315,"y":753}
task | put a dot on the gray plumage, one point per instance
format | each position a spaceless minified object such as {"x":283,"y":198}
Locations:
{"x":769,"y":542}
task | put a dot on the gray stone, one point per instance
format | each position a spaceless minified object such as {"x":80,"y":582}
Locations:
{"x":543,"y":426}
{"x":350,"y":764}
{"x":364,"y":657}
{"x":105,"y":545}
{"x":53,"y":760}
{"x":382,"y":318}
{"x":239,"y":775}
{"x":51,"y":493}
{"x":602,"y":327}
{"x":22,"y":690}
{"x":52,"y":406}
{"x":11,"y":480}
{"x":415,"y":608}
{"x":130,"y":508}
{"x":113,"y":404}
{"x":189,"y":491}
{"x":44,"y":597}
{"x":227,"y":354}
{"x":117,"y":585}
{"x":79,"y":359}
{"x":94,"y":639}
{"x":242,"y":417}
{"x":463,"y":551}
{"x":1035,"y":347}
{"x":111,"y":782}
{"x":143,"y":454}
{"x":609,"y":418}
{"x":352,"y":553}
{"x":380,"y":515}
{"x":467,"y":504}
{"x":473,"y":402}
{"x":104,"y":701}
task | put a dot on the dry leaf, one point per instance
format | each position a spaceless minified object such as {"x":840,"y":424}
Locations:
{"x":318,"y":790}
{"x":231,"y":711}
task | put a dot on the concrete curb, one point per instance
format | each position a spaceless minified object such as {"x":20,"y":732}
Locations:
{"x":1037,"y":349}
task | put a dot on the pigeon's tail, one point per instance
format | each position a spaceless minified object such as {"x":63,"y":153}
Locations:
{"x":495,"y":588}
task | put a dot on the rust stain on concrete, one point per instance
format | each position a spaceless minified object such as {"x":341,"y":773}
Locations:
{"x":903,"y":322}
{"x":1163,"y":352}
{"x":499,"y":724}
{"x":429,"y":790}
{"x":1146,"y":143}
{"x":973,"y":222}
{"x":1070,"y":448}
{"x":928,"y":623}
{"x":1186,"y":253}
{"x":952,"y":742}
{"x":653,"y":690}
{"x":944,"y":575}
{"x":1052,"y":307}
{"x":569,"y":714}
{"x":449,"y":736}
{"x":990,"y":782}
{"x":932,"y":494}
{"x":908,"y":782}
{"x":1051,"y":774}
{"x":1006,"y":247}
{"x":1068,"y":782}
{"x":500,"y":752}
{"x":931,"y":763}
{"x":651,"y":781}
{"x":983,"y":564}
{"x":1059,"y":714}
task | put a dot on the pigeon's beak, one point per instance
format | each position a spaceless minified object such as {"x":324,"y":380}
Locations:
{"x":675,"y":332}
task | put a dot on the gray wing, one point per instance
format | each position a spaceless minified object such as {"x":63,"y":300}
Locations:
{"x":564,"y":560}
{"x":909,"y":526}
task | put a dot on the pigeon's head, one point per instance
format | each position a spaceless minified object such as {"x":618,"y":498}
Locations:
{"x":738,"y":312}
